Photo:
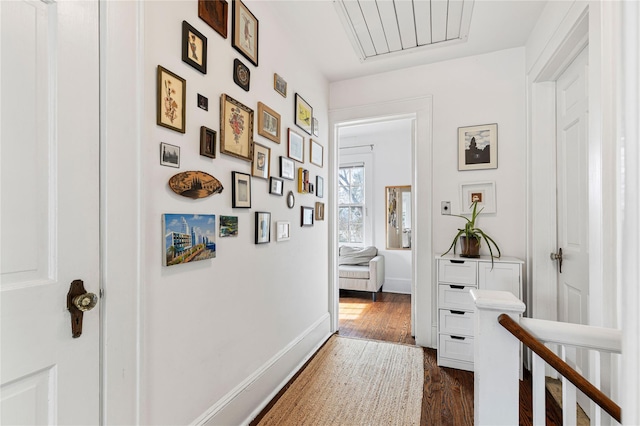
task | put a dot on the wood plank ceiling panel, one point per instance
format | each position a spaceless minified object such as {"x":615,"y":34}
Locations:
{"x":371,"y":15}
{"x":354,"y":14}
{"x":390,"y":23}
{"x":422,"y":10}
{"x":439,"y":9}
{"x":406,"y":23}
{"x":454,"y":19}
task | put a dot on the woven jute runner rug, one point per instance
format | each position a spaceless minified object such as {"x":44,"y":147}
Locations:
{"x":355,"y":382}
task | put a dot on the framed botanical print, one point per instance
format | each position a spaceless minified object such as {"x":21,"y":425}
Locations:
{"x":287,"y":168}
{"x":303,"y":114}
{"x":295,"y":147}
{"x":268,"y":123}
{"x":261,"y":165}
{"x":214,"y":13}
{"x":478,"y":147}
{"x":245,"y":32}
{"x":236,"y":128}
{"x":207,"y":142}
{"x":263,"y":227}
{"x":316,"y":153}
{"x":171,"y":97}
{"x":194,"y":47}
{"x":240,"y":190}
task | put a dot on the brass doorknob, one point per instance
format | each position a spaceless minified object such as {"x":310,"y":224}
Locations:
{"x":85,"y":302}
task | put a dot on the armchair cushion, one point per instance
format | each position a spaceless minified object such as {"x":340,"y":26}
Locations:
{"x":356,"y":255}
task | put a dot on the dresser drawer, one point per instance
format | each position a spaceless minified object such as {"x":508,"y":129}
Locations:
{"x":453,"y":296}
{"x":457,"y":271}
{"x":456,"y":347}
{"x":456,"y":322}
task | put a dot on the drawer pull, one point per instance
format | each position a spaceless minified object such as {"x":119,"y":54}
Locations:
{"x":457,"y":287}
{"x":457,"y":337}
{"x":457,"y":261}
{"x":457,"y":312}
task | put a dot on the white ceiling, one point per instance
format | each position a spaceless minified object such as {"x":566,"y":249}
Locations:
{"x":318,"y":30}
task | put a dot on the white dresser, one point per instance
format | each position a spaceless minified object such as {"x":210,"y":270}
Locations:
{"x":456,"y":277}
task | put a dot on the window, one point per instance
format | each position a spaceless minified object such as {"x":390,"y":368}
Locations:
{"x":351,"y":204}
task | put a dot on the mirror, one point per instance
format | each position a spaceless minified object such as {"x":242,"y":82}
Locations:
{"x":291,"y":200}
{"x":398,"y":232}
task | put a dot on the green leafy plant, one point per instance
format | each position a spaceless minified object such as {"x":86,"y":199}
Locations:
{"x":473,"y":234}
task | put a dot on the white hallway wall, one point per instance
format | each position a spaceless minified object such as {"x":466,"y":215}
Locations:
{"x":210,"y":326}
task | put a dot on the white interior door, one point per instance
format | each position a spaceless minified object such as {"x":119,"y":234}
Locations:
{"x":49,"y":148}
{"x":572,"y":193}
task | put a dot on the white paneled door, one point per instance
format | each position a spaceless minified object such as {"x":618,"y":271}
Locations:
{"x":49,"y":209}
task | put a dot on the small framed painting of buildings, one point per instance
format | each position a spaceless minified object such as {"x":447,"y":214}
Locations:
{"x":188,"y":237}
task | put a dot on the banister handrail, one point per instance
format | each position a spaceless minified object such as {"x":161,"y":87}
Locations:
{"x":561,"y":367}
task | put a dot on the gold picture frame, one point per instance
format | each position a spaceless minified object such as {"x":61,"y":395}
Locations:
{"x":268,"y":123}
{"x":236,"y":128}
{"x":171,"y":100}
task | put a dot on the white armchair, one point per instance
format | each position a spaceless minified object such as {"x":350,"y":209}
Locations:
{"x":361,"y":269}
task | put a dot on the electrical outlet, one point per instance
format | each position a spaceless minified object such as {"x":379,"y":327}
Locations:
{"x":445,"y":207}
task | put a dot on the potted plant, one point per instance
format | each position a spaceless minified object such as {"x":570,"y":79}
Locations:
{"x":470,"y":237}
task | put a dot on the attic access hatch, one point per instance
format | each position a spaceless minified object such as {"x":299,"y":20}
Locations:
{"x":381,"y":27}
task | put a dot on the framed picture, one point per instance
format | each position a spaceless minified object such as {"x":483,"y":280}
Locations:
{"x":207,"y":142}
{"x":268,"y":123}
{"x":482,"y":192}
{"x":171,"y":96}
{"x":295,"y":146}
{"x":169,"y":155}
{"x":261,"y":165}
{"x":240,"y":190}
{"x":303,"y":114}
{"x":241,"y":74}
{"x":214,"y":13}
{"x":194,"y":47}
{"x":306,"y":216}
{"x":319,"y":211}
{"x":236,"y":128}
{"x":228,"y":226}
{"x":316,"y":153}
{"x":478,"y":147}
{"x":203,"y":102}
{"x":245,"y":32}
{"x":283,"y":230}
{"x":279,"y":85}
{"x":316,"y":129}
{"x":263,"y":227}
{"x":178,"y":244}
{"x":319,"y":186}
{"x":276,"y":186}
{"x":303,"y":181}
{"x":287,"y":168}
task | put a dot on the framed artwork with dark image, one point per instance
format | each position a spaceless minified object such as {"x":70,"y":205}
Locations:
{"x":203,"y":102}
{"x":244,"y":36}
{"x":295,"y":146}
{"x":303,"y":114}
{"x":319,"y":186}
{"x":171,"y":96}
{"x":261,"y":166}
{"x":316,"y":153}
{"x":263,"y":227}
{"x":207,"y":142}
{"x":236,"y":128}
{"x":268,"y":123}
{"x":276,"y":186}
{"x":319,"y":211}
{"x":241,"y":74}
{"x":478,"y":147}
{"x":214,"y":13}
{"x":316,"y":130}
{"x":280,"y":85}
{"x":240,"y":190}
{"x":169,"y":155}
{"x":194,"y":47}
{"x":306,"y":216}
{"x":287,"y":168}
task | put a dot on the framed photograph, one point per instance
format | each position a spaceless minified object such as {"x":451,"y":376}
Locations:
{"x":236,"y":128}
{"x":179,"y":246}
{"x":240,"y":190}
{"x":169,"y":155}
{"x":482,"y":192}
{"x":295,"y":146}
{"x":306,"y":216}
{"x":241,"y":74}
{"x":263,"y":227}
{"x":287,"y":168}
{"x":228,"y":226}
{"x":203,"y":102}
{"x":245,"y":32}
{"x":268,"y":123}
{"x":194,"y":47}
{"x":276,"y":186}
{"x":316,"y":129}
{"x":478,"y":147}
{"x":283,"y":231}
{"x":280,"y":85}
{"x":207,"y":142}
{"x":319,"y":211}
{"x":316,"y":153}
{"x":171,"y":96}
{"x":303,"y":114}
{"x":214,"y":13}
{"x":319,"y":187}
{"x":261,"y":165}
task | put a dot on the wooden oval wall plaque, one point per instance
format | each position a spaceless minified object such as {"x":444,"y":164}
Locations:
{"x":195,"y":184}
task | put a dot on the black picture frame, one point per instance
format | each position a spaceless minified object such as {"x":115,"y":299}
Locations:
{"x":276,"y":186}
{"x":207,"y":142}
{"x":263,"y":228}
{"x":244,"y":31}
{"x":194,"y":47}
{"x":303,"y":114}
{"x":287,"y":168}
{"x":240,"y":190}
{"x":306,"y":216}
{"x":241,"y":75}
{"x":319,"y":187}
{"x":203,"y":102}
